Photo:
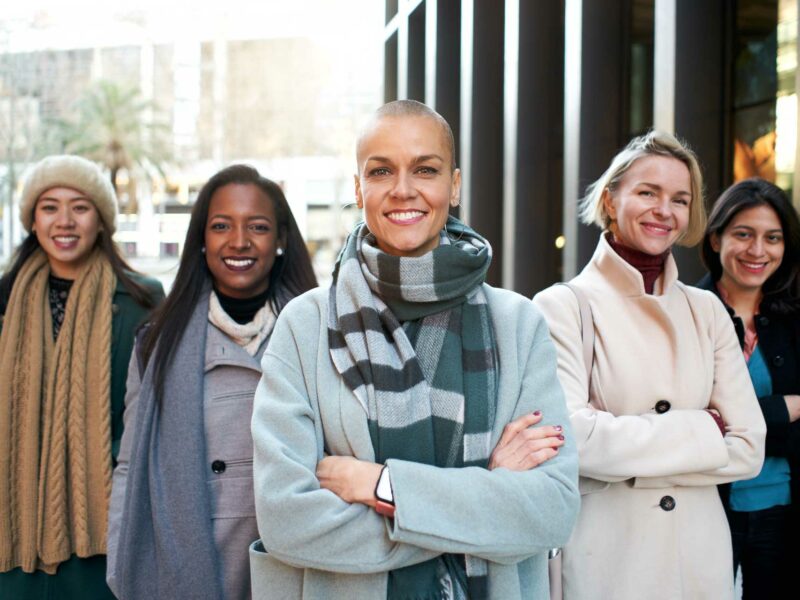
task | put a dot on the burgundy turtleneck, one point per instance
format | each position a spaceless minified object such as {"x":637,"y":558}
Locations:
{"x":649,"y":265}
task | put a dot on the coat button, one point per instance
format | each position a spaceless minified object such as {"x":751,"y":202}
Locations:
{"x":778,"y":361}
{"x":662,"y":406}
{"x":667,"y":503}
{"x":218,"y":466}
{"x":763,"y":321}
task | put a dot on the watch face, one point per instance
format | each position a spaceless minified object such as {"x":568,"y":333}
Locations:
{"x":384,"y":489}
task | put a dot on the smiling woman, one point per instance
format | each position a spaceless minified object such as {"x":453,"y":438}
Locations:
{"x":70,"y":307}
{"x":752,"y":251}
{"x":667,"y":410}
{"x":409,"y":431}
{"x":190,"y":395}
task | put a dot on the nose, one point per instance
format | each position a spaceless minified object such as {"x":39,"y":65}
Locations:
{"x":756,"y":247}
{"x":663,"y":207}
{"x":64,"y":217}
{"x":239,"y":238}
{"x":403,"y":188}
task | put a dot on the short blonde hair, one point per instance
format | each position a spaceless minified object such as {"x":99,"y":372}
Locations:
{"x":654,"y":143}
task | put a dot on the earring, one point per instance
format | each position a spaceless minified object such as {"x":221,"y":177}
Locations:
{"x":203,"y":249}
{"x":279,"y":251}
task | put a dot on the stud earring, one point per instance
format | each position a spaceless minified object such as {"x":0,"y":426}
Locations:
{"x":279,"y":251}
{"x":203,"y":249}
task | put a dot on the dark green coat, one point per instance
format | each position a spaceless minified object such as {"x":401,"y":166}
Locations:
{"x":85,"y":578}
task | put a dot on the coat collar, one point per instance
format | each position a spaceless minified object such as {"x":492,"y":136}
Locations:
{"x":609,"y":267}
{"x":223,"y":351}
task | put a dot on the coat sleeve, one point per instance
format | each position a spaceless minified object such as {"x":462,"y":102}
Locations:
{"x":300,"y":523}
{"x":498,"y":515}
{"x":120,"y":476}
{"x":733,"y":396}
{"x":655,"y":445}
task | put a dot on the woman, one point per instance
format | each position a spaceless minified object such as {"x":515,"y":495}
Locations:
{"x":752,"y":251}
{"x":182,"y":513}
{"x":669,"y":411}
{"x":70,"y":306}
{"x":383,"y":397}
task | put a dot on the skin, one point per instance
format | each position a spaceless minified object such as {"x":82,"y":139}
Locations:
{"x":406,"y":187}
{"x":751,"y":249}
{"x":66,"y":224}
{"x":650,"y":206}
{"x":241,"y":240}
{"x":405,"y":184}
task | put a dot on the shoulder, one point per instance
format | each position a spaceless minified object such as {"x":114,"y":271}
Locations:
{"x":303,"y":316}
{"x":514,"y":316}
{"x":152,"y":285}
{"x":703,"y":299}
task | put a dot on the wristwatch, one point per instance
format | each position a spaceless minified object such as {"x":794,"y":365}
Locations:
{"x":384,"y":497}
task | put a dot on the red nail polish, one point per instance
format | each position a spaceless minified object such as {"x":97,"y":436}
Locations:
{"x":536,"y":413}
{"x":558,"y":428}
{"x":561,"y":437}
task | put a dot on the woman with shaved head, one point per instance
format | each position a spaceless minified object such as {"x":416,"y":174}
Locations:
{"x":411,"y":438}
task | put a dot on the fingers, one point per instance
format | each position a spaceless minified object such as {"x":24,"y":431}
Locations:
{"x":517,"y":425}
{"x":527,"y":453}
{"x":534,"y":459}
{"x":532,"y":434}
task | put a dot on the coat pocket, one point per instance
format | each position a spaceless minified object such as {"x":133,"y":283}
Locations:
{"x":232,"y":496}
{"x":271,"y":578}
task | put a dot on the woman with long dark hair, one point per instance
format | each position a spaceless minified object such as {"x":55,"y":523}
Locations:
{"x":182,"y":513}
{"x":752,"y":251}
{"x":70,"y":306}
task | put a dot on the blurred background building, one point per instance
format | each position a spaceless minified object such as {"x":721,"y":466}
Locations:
{"x":542,"y":94}
{"x":164,"y":96}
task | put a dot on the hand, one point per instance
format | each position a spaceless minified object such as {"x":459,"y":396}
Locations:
{"x":717,"y":419}
{"x":351,"y":479}
{"x":793,"y":406}
{"x":523,"y":447}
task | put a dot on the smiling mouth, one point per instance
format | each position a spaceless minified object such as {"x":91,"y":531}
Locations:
{"x":753,"y":267}
{"x":405,"y":217}
{"x":656,"y":229}
{"x":239,"y":264}
{"x":65,"y":241}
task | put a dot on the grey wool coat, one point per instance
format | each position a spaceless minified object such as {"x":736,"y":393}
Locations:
{"x":231,"y":376}
{"x":316,"y":545}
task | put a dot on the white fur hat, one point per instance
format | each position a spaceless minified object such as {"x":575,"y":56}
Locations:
{"x":75,"y":173}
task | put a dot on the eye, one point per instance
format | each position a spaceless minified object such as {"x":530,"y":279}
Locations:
{"x":260,"y":227}
{"x":646,"y":194}
{"x":741,"y":235}
{"x":681,"y":201}
{"x":775,"y":238}
{"x":426,"y":170}
{"x":80,"y":208}
{"x":219,"y":226}
{"x":48,"y":208}
{"x":379,"y":172}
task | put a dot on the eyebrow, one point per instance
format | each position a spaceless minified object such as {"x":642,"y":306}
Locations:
{"x":749,"y":228}
{"x":229,"y":218}
{"x":417,"y":160}
{"x":75,"y":199}
{"x":655,"y":186}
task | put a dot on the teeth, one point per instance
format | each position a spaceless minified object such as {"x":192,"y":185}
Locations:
{"x":66,"y":239}
{"x":244,"y":262}
{"x":753,"y":265}
{"x":406,"y":215}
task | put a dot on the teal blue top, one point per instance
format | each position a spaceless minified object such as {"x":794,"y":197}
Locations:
{"x":771,"y":486}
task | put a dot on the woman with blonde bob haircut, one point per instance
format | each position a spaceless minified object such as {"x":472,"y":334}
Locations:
{"x":662,"y":407}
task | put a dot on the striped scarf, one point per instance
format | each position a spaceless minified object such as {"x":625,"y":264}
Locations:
{"x":413,"y":339}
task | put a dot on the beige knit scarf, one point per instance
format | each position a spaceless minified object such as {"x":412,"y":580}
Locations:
{"x":55,"y":427}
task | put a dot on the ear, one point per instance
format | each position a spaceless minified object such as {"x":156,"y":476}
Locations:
{"x":715,"y":243}
{"x":608,"y":204}
{"x":455,"y":188}
{"x":359,"y":196}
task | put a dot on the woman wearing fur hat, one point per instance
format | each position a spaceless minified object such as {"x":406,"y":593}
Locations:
{"x":70,"y":306}
{"x":182,"y":513}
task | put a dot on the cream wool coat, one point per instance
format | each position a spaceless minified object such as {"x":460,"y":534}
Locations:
{"x":678,"y":345}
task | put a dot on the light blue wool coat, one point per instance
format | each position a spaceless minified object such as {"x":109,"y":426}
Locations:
{"x":318,"y":546}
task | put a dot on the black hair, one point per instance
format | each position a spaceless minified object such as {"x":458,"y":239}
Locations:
{"x":122,"y":269}
{"x":782,"y":289}
{"x":290,"y":276}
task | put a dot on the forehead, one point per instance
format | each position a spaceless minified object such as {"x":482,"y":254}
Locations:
{"x":403,"y":135}
{"x":665,"y":171}
{"x":241,"y":199}
{"x":62,"y":193}
{"x":762,"y":216}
